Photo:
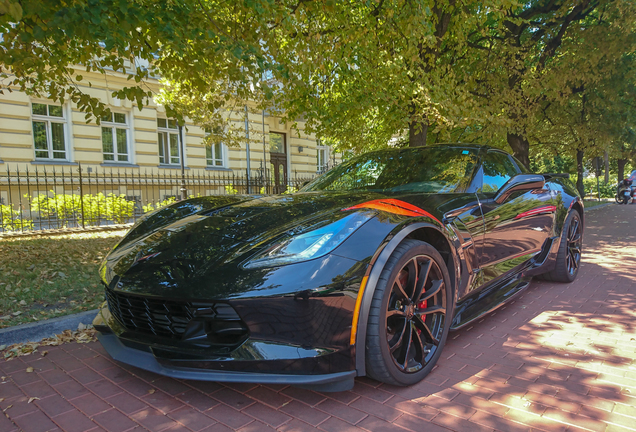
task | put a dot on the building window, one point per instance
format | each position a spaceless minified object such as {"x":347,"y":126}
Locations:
{"x":49,"y":135}
{"x":115,"y":137}
{"x":214,"y":155}
{"x":169,"y":153}
{"x":322,"y":162}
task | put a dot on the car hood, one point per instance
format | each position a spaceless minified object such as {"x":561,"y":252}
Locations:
{"x":211,"y":238}
{"x":203,"y":250}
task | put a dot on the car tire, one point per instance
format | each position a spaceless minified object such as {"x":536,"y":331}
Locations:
{"x":406,"y":331}
{"x":568,"y":258}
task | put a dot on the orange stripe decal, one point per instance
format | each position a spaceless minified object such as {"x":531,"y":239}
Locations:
{"x":356,"y":311}
{"x":394,"y":206}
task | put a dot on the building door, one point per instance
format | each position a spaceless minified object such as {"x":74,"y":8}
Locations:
{"x":278,"y":161}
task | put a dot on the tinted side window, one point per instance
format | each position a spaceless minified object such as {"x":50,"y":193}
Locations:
{"x":498,"y":169}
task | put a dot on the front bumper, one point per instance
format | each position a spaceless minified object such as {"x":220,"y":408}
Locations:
{"x":144,"y":360}
{"x":256,"y":361}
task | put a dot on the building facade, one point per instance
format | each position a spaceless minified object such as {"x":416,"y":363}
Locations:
{"x":41,"y":135}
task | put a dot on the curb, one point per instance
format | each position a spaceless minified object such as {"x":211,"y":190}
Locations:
{"x":39,"y":330}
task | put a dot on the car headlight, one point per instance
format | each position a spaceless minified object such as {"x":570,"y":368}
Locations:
{"x":305,"y":243}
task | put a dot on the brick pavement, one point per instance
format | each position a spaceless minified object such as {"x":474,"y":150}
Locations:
{"x":559,"y":358}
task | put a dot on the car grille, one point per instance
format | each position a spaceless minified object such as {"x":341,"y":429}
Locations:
{"x":219,"y":322}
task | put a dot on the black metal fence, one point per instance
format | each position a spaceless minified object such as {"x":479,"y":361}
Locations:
{"x":76,"y":197}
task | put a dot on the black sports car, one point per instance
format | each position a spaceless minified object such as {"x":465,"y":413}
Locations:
{"x":363,"y":272}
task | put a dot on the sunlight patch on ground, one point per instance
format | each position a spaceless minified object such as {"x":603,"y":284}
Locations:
{"x":618,"y":258}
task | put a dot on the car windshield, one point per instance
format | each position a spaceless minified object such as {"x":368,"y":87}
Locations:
{"x":436,"y":169}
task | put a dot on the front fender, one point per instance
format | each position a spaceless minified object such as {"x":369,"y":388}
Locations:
{"x":372,"y":277}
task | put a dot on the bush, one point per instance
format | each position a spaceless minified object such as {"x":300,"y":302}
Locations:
{"x":89,"y":208}
{"x":607,"y":190}
{"x":10,"y":219}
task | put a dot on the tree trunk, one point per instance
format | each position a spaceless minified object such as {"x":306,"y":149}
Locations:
{"x":417,"y":134}
{"x":606,"y":156}
{"x":621,"y":169}
{"x":579,"y":172}
{"x":520,"y":148}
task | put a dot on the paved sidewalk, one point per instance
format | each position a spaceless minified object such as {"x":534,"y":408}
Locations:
{"x":559,"y":358}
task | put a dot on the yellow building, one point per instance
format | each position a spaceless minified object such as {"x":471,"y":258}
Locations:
{"x":41,"y":135}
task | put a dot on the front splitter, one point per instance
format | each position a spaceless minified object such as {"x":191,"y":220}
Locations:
{"x":340,"y":381}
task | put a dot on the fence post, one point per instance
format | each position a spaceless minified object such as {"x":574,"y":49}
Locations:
{"x":183,"y":188}
{"x":81,"y":188}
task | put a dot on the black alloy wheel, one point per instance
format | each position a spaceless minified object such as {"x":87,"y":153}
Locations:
{"x":568,"y":258}
{"x":574,"y":243}
{"x":408,"y":322}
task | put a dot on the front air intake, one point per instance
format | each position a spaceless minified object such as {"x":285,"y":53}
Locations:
{"x":212,"y":324}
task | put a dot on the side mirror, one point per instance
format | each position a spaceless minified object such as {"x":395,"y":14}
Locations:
{"x":520,"y":182}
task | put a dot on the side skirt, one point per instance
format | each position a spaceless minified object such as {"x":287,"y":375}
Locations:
{"x":487,"y":300}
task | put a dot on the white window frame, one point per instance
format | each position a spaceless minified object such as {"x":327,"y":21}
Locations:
{"x":325,"y":166}
{"x":210,"y":154}
{"x":114,"y":126}
{"x":48,"y":120}
{"x":166,"y":132}
{"x":213,"y":161}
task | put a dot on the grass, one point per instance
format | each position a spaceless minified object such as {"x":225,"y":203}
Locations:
{"x":45,"y":277}
{"x":594,"y":202}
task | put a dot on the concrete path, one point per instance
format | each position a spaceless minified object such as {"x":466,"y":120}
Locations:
{"x":559,"y":358}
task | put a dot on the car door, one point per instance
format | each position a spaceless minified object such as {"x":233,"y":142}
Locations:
{"x":515,"y":229}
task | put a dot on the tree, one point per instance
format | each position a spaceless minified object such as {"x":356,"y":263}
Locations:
{"x":360,"y":73}
{"x":520,"y":54}
{"x":371,"y":71}
{"x":353,"y":69}
{"x":46,"y":44}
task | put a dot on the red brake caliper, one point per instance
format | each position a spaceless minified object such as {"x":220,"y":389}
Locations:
{"x":421,"y":305}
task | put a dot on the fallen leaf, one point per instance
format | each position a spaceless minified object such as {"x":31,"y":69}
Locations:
{"x":33,"y":399}
{"x":7,"y":408}
{"x":151,"y":391}
{"x":44,"y":353}
{"x":17,"y":313}
{"x":29,"y":369}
